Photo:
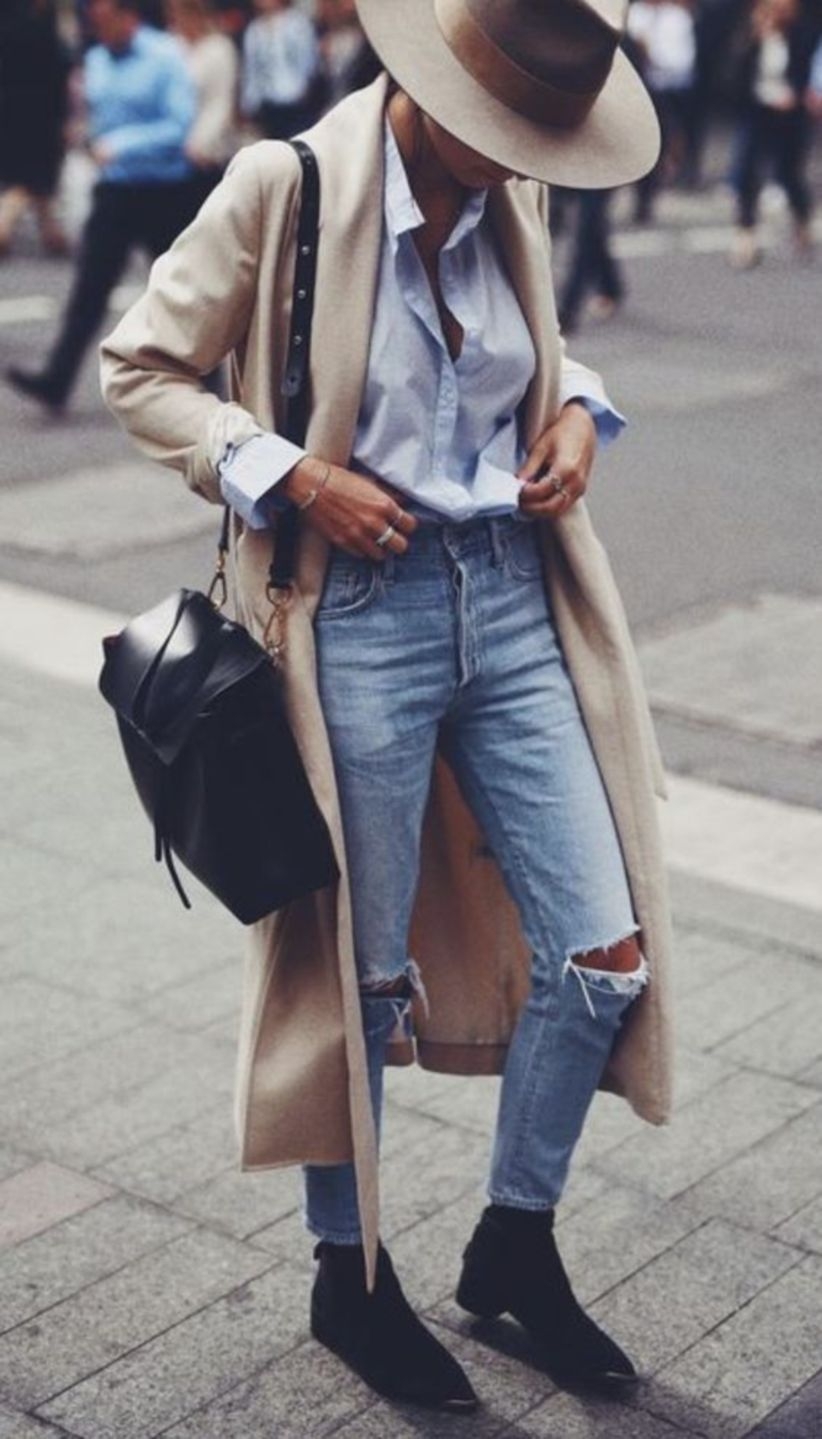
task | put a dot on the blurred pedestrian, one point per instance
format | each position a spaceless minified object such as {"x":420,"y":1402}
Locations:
{"x":348,"y":61}
{"x":593,"y":269}
{"x":34,"y":71}
{"x":774,"y":74}
{"x":214,"y":67}
{"x":141,"y":106}
{"x":664,"y":33}
{"x":281,"y":65}
{"x":813,"y":98}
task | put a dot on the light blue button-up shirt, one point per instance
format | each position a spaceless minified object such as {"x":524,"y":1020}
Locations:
{"x":444,"y":432}
{"x":141,"y":104}
{"x":280,"y":59}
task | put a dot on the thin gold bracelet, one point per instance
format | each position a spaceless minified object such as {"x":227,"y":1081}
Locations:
{"x":312,"y":495}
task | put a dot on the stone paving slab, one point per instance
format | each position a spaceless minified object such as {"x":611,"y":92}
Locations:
{"x":708,"y":1133}
{"x":798,"y":1418}
{"x":201,"y":1000}
{"x":770,"y":1182}
{"x":663,"y":1309}
{"x":11,"y":1160}
{"x":240,"y":1203}
{"x":106,"y":1319}
{"x":34,"y":1199}
{"x":303,"y":1396}
{"x":788,"y":1041}
{"x":566,"y":1417}
{"x":736,"y":1374}
{"x":190,"y":1364}
{"x":107,"y":960}
{"x":88,"y":1076}
{"x":722,"y":1009}
{"x":117,"y":1123}
{"x":805,"y":1227}
{"x":39,"y":1273}
{"x":14,"y":1425}
{"x":179,"y":1158}
{"x":47,"y":1017}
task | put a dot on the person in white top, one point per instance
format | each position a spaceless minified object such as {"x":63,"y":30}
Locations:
{"x":664,"y":34}
{"x":281,"y":62}
{"x":215,"y":69}
{"x":774,"y":76}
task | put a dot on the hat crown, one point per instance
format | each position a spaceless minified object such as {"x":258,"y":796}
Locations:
{"x":566,"y":44}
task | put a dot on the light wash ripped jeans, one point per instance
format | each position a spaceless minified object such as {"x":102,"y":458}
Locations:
{"x":454,"y":641}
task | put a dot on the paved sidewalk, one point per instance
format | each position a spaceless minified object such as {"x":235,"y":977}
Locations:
{"x":147,"y":1287}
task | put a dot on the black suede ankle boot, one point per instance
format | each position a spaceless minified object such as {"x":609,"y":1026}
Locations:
{"x":511,"y":1265}
{"x":379,"y":1336}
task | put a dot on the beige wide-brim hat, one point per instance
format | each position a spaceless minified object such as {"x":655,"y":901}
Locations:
{"x":538,"y":86}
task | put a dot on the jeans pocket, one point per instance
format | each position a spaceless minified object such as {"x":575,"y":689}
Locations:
{"x":522,"y":554}
{"x":350,"y":586}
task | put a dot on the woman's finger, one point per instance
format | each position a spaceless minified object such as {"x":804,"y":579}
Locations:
{"x":537,"y":461}
{"x":549,"y":500}
{"x":404,"y":522}
{"x":552,"y":486}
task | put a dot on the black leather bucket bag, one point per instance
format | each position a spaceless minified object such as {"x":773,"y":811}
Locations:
{"x":200,"y":704}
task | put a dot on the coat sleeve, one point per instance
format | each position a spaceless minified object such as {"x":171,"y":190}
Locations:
{"x":195,"y":311}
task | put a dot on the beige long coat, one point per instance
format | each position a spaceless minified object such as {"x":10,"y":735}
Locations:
{"x":224,"y":288}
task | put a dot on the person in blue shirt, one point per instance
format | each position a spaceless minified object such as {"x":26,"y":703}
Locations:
{"x":141,"y":105}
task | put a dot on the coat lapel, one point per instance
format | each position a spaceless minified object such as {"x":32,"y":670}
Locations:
{"x":349,"y":149}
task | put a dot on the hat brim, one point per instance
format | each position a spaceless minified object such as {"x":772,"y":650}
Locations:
{"x":617,"y":143}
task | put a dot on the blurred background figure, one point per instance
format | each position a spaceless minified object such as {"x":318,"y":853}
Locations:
{"x":774,"y":126}
{"x":664,"y":38}
{"x":593,"y":271}
{"x":140,"y":108}
{"x":348,"y":62}
{"x":214,"y":67}
{"x":813,"y":98}
{"x":281,"y":70}
{"x":34,"y":71}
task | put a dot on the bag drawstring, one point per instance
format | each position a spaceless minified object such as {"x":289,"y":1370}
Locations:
{"x":162,"y":851}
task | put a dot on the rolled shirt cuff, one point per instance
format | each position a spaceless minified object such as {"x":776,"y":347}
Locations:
{"x":250,"y":473}
{"x":588,"y":390}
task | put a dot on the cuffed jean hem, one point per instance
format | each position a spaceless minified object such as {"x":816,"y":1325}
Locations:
{"x":520,"y":1201}
{"x":331,"y":1236}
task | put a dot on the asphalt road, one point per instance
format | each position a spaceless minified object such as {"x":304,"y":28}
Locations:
{"x":710,"y":499}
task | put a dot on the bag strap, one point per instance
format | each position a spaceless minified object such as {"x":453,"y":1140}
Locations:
{"x":294,"y":387}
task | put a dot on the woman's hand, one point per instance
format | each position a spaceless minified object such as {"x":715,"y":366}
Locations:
{"x":557,"y":470}
{"x":350,"y":510}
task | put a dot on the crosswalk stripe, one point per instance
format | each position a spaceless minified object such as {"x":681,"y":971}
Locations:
{"x":24,"y":308}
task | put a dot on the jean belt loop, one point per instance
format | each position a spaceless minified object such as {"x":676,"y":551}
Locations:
{"x":388,"y":567}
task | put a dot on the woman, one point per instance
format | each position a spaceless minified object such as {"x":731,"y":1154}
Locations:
{"x":280,"y":66}
{"x":34,"y":75}
{"x":214,"y":68}
{"x":774,"y":127}
{"x":457,"y":665}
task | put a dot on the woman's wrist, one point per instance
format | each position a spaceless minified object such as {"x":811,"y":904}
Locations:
{"x":307,"y":476}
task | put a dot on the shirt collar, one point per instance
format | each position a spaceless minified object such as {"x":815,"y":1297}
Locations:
{"x":402,"y":213}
